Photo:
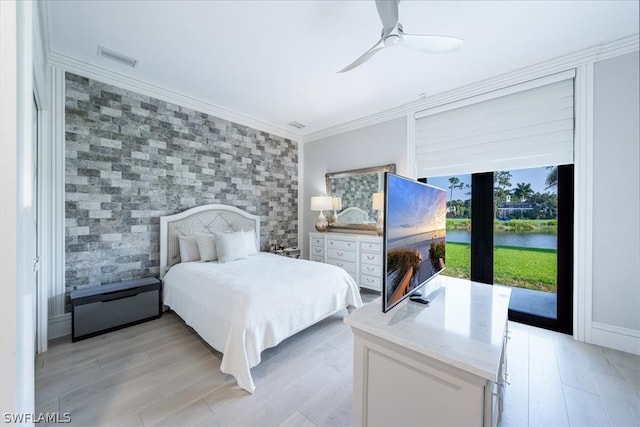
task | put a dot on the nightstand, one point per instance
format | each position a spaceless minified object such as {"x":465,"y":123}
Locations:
{"x":288,"y":252}
{"x":105,"y":308}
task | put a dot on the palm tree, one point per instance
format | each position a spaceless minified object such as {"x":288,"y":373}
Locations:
{"x":454,"y":182}
{"x":501,"y":181}
{"x":523,"y":191}
{"x":552,"y":177}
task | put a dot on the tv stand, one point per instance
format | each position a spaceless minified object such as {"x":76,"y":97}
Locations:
{"x":441,"y":365}
{"x":419,"y":297}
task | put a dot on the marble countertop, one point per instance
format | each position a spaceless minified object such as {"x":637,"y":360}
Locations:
{"x":463,"y":325}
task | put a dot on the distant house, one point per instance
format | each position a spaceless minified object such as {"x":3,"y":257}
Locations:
{"x":514,"y":209}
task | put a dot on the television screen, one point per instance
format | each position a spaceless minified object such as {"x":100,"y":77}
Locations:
{"x":415,"y":219}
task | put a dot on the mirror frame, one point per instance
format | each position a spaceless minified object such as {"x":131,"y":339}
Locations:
{"x":375,"y":169}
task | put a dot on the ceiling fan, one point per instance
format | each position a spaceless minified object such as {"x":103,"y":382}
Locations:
{"x":393,"y":35}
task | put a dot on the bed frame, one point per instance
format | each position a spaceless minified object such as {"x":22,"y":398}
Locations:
{"x":201,"y":219}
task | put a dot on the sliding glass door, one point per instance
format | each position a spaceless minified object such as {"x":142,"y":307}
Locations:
{"x":514,"y":228}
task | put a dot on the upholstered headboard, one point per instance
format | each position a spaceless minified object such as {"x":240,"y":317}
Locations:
{"x":353,"y":215}
{"x":201,"y":219}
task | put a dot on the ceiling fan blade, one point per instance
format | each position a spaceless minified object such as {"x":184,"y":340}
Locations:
{"x":388,"y":11}
{"x":364,"y":57}
{"x":432,"y":44}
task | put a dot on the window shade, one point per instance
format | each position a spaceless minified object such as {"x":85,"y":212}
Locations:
{"x":526,"y":129}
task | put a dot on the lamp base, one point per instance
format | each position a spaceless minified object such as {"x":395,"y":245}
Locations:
{"x":380,"y":224}
{"x":321,"y":223}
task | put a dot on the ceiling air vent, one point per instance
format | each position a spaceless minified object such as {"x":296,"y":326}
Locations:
{"x":116,"y":56}
{"x":296,"y":125}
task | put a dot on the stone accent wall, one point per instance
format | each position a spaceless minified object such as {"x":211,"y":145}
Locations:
{"x":356,"y":191}
{"x":131,"y":158}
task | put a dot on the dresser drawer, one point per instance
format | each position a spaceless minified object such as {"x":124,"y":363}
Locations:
{"x":371,"y":270}
{"x":341,"y":244}
{"x":370,"y":282}
{"x":341,"y":255}
{"x":317,"y":241}
{"x":349,"y":267}
{"x":371,"y":258}
{"x":371,"y":247}
{"x":317,"y":251}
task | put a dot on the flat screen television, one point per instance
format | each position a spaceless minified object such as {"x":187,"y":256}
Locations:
{"x":415,"y":218}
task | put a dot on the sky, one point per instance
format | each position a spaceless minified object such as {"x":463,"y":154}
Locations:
{"x":414,"y":208}
{"x":534,"y":176}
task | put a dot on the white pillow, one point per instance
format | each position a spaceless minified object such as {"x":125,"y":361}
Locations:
{"x":207,"y":247}
{"x":250,"y":240}
{"x":231,"y":246}
{"x":188,"y":249}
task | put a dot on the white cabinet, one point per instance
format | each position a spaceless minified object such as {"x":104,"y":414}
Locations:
{"x":359,"y":255}
{"x":316,"y":247}
{"x":437,"y":364}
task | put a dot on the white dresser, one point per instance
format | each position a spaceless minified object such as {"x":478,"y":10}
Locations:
{"x":438,"y":364}
{"x":360,"y":255}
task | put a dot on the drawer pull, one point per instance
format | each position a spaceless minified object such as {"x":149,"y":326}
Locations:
{"x":318,"y":250}
{"x":109,"y":299}
{"x":371,"y":257}
{"x":340,"y":253}
{"x":370,"y":268}
{"x":340,"y":264}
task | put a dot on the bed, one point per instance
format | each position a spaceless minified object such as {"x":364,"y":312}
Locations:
{"x":245,"y":306}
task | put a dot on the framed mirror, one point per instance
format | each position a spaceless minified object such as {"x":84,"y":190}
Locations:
{"x":353,"y":192}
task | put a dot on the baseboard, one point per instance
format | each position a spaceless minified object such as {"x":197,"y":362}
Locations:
{"x":60,"y":326}
{"x":616,"y":337}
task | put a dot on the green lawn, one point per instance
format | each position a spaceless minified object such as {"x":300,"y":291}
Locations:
{"x":521,"y":267}
{"x":521,"y":225}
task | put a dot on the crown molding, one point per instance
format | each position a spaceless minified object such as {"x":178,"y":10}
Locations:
{"x":42,"y":29}
{"x":592,"y":54}
{"x":92,"y":71}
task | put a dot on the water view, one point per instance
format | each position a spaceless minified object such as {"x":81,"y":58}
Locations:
{"x":509,"y":238}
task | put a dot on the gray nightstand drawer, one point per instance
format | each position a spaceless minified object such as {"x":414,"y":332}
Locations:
{"x":108,"y":307}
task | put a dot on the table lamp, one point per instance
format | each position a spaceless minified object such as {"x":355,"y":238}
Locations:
{"x":321,"y":203}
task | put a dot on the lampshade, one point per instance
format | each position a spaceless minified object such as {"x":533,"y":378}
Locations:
{"x":321,"y":203}
{"x":337,"y":203}
{"x":377,"y":202}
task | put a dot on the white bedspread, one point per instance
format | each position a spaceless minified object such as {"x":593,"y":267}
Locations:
{"x":244,"y":307}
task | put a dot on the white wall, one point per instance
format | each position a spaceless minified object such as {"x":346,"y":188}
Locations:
{"x":616,"y":201}
{"x":375,"y":145}
{"x":17,"y":302}
{"x":8,"y":219}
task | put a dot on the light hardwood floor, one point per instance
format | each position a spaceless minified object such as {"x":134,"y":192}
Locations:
{"x":160,"y":373}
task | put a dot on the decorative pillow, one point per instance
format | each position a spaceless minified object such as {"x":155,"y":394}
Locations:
{"x":188,"y":249}
{"x":207,"y":247}
{"x":231,"y":246}
{"x":250,"y":240}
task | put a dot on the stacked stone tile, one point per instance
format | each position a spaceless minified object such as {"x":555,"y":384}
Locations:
{"x":131,"y":158}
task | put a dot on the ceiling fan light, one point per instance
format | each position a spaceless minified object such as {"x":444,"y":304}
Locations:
{"x":392,"y":40}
